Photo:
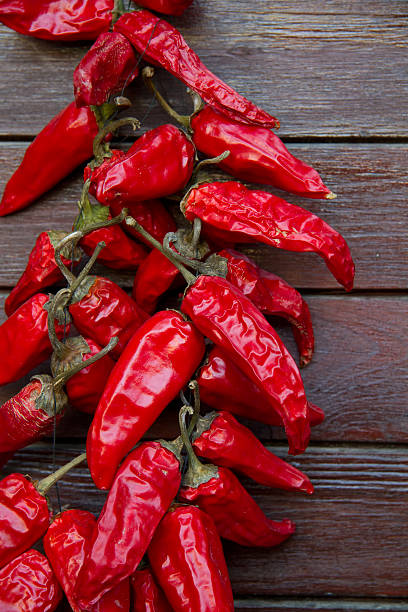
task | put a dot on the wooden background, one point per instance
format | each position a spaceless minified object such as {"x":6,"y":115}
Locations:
{"x":334,"y":73}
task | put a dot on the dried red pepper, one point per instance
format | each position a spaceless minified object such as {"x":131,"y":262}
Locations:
{"x":219,"y":438}
{"x":107,"y":67}
{"x":158,"y":164}
{"x":168,"y":7}
{"x":24,"y":342}
{"x":220,"y":494}
{"x":41,"y":270}
{"x":257,"y":216}
{"x":224,"y":386}
{"x":188,"y":561}
{"x":58,"y":149}
{"x":28,"y":584}
{"x":65,"y":544}
{"x":147,"y":595}
{"x":24,"y":512}
{"x":156,"y":364}
{"x":141,"y":493}
{"x":163,"y":45}
{"x":273,"y":296}
{"x":154,"y":277}
{"x":57,"y":19}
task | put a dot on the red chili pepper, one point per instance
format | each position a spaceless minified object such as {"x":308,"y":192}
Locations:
{"x":41,"y":270}
{"x":24,"y":512}
{"x":142,"y":491}
{"x":224,"y":386}
{"x":154,"y":277}
{"x":27,"y":584}
{"x":156,"y":364}
{"x":228,"y":318}
{"x":163,"y":45}
{"x":257,"y":216}
{"x":57,"y":19}
{"x":168,"y":7}
{"x":24,"y":342}
{"x":187,"y":559}
{"x":107,"y":67}
{"x":58,"y":149}
{"x":220,"y":494}
{"x":65,"y":544}
{"x":147,"y":595}
{"x":158,"y":164}
{"x":273,"y":296}
{"x":220,"y":439}
{"x":152,"y":215}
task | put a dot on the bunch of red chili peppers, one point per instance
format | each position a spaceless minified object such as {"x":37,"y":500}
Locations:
{"x":156,"y":543}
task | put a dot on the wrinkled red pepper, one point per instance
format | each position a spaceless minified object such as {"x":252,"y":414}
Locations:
{"x":224,"y":386}
{"x":147,"y":595}
{"x":152,"y":215}
{"x":24,"y":341}
{"x":24,"y":512}
{"x":154,"y":367}
{"x":163,"y":45}
{"x":41,"y":270}
{"x":28,"y":584}
{"x":228,"y":318}
{"x":219,"y":438}
{"x":273,"y":296}
{"x":65,"y":544}
{"x":245,"y":215}
{"x":58,"y":149}
{"x":107,"y":67}
{"x":168,"y":7}
{"x":155,"y":276}
{"x":57,"y":19}
{"x":158,"y":164}
{"x":187,"y":559}
{"x":142,"y":491}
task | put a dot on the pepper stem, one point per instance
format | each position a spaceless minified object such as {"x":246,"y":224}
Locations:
{"x":46,"y":483}
{"x":58,"y":346}
{"x":211,"y":161}
{"x":188,"y":276}
{"x":60,"y":380}
{"x":112,"y":126}
{"x":193,"y":385}
{"x":118,"y":10}
{"x":147,"y":74}
{"x":194,"y":463}
{"x":73,"y":237}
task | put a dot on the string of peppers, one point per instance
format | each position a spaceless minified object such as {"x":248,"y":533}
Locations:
{"x":156,"y":543}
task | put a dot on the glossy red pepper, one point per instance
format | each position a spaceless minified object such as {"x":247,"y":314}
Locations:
{"x":168,"y":7}
{"x":65,"y":544}
{"x":24,"y":512}
{"x":257,"y":216}
{"x":224,"y":386}
{"x":24,"y":341}
{"x":154,"y":277}
{"x":158,"y":164}
{"x":219,"y":438}
{"x":273,"y":296}
{"x":187,"y":559}
{"x":107,"y":67}
{"x":256,"y":154}
{"x":228,"y":318}
{"x":154,"y":367}
{"x":28,"y":584}
{"x":142,"y":491}
{"x":101,"y":310}
{"x":58,"y":149}
{"x":57,"y":19}
{"x":152,"y":215}
{"x":147,"y":595}
{"x":41,"y":270}
{"x":163,"y":45}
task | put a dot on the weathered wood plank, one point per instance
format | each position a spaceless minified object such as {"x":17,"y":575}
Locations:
{"x":358,"y":374}
{"x":370,"y":211}
{"x":300,"y":61}
{"x":319,"y":605}
{"x":348,"y":532}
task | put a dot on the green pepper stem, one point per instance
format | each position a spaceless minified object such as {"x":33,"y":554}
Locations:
{"x":147,"y":74}
{"x":188,"y":276}
{"x":112,"y":126}
{"x":60,"y":380}
{"x":211,"y":161}
{"x":46,"y":483}
{"x":73,"y":237}
{"x":60,"y":299}
{"x":193,"y":385}
{"x":195,"y":463}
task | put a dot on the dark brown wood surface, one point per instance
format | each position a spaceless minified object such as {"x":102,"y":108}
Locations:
{"x":334,"y":73}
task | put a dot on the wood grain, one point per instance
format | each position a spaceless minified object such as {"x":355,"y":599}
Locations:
{"x":324,"y":68}
{"x":370,"y":212}
{"x":349,"y":538}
